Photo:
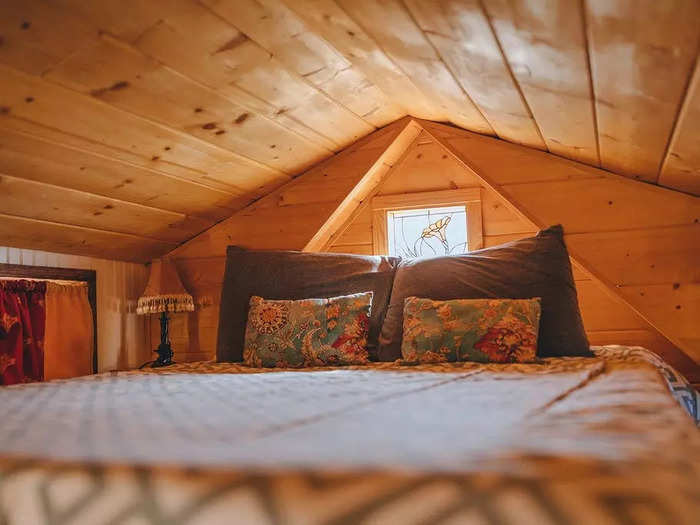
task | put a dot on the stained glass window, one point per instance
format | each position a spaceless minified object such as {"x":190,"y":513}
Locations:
{"x":427,"y":231}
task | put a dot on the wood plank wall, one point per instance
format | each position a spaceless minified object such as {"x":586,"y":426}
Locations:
{"x":123,"y":337}
{"x":429,"y":167}
{"x":640,"y":241}
{"x":287,"y":219}
{"x":290,"y":217}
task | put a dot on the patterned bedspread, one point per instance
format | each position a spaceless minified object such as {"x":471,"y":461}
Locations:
{"x":573,"y":440}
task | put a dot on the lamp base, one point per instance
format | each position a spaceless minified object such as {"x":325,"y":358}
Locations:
{"x":165,"y":356}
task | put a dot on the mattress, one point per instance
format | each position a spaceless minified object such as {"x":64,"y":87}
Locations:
{"x":611,"y":439}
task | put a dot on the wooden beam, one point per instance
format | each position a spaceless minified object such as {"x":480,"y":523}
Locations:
{"x":365,"y":187}
{"x":364,"y":208}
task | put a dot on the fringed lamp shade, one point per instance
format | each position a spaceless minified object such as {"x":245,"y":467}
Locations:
{"x":164,"y":291}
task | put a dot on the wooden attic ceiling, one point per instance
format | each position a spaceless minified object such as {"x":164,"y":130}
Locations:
{"x":129,"y":126}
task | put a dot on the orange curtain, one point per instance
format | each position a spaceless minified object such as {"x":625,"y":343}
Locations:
{"x":69,"y":341}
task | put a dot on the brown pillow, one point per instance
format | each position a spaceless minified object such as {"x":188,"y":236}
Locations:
{"x":534,"y":267}
{"x":297,"y":275}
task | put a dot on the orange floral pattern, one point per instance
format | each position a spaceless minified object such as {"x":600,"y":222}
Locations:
{"x":308,"y":332}
{"x":7,"y":321}
{"x":482,"y":330}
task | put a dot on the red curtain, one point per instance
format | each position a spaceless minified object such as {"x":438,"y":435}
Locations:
{"x":22,"y":323}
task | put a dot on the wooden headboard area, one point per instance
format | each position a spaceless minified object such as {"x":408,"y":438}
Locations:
{"x":627,"y":240}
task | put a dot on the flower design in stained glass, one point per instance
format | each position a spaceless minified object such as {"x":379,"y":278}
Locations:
{"x":427,"y":231}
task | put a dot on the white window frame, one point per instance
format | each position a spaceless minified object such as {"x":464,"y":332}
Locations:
{"x":470,"y":198}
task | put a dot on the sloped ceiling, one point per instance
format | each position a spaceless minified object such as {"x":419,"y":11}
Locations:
{"x":129,"y":126}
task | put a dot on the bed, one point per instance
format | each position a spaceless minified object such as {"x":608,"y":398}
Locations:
{"x":610,"y":439}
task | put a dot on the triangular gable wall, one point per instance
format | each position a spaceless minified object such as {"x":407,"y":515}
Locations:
{"x":427,"y":166}
{"x":639,"y":241}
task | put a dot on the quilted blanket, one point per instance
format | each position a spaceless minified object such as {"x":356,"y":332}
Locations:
{"x":611,"y":439}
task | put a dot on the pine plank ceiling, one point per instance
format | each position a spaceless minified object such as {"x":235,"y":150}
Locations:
{"x":129,"y":126}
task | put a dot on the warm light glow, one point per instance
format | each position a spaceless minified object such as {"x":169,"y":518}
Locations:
{"x":427,"y":231}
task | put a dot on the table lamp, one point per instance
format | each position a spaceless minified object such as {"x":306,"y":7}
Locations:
{"x":164,"y":293}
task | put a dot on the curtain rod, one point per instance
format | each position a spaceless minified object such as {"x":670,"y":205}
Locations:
{"x":57,"y":281}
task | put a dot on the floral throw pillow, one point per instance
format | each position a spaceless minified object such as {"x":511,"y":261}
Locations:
{"x":308,"y":332}
{"x":484,"y":330}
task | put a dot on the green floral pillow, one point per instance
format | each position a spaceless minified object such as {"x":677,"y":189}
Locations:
{"x":308,"y":332}
{"x":484,"y":330}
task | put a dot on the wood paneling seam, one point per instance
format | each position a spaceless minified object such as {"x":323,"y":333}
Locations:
{"x":447,"y":67}
{"x":692,"y":84}
{"x":89,"y":228}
